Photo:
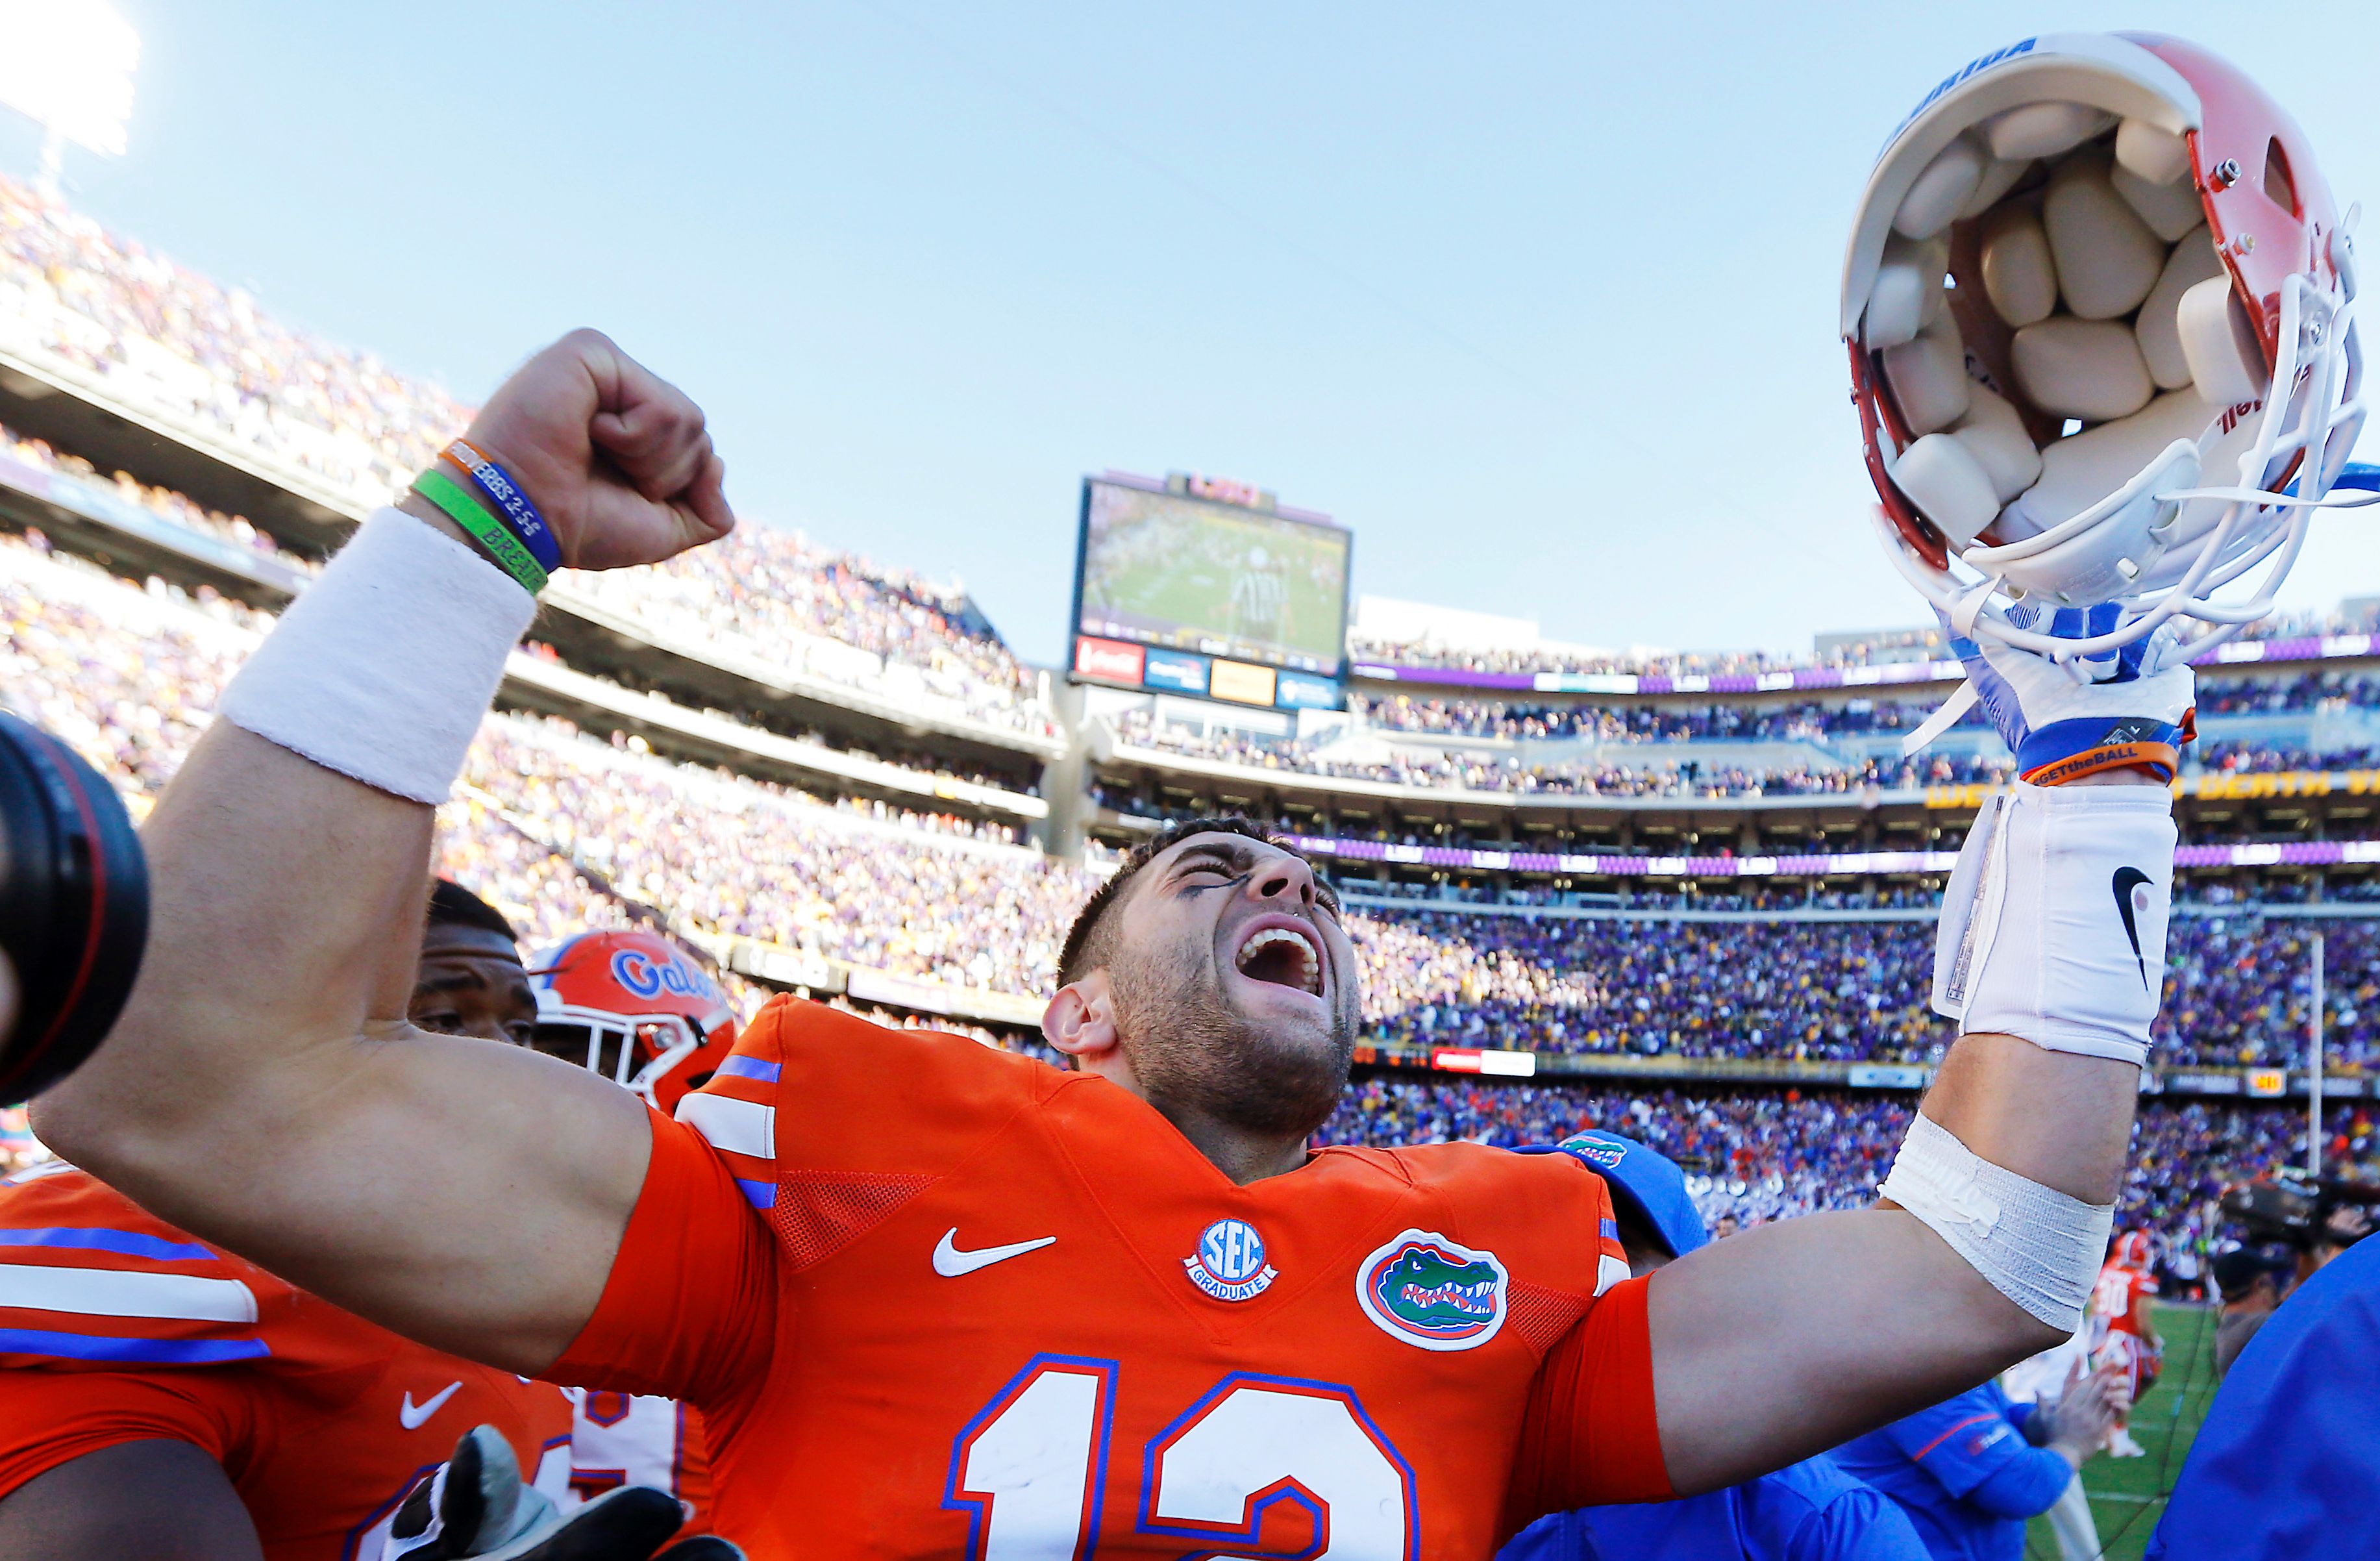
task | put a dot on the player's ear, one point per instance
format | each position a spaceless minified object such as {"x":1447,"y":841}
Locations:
{"x":1080,"y":1020}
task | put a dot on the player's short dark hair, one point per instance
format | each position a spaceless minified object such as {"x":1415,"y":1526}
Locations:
{"x":451,"y":905}
{"x":1082,"y":953}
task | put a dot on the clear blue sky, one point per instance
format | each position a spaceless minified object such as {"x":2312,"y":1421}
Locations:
{"x":1540,"y":300}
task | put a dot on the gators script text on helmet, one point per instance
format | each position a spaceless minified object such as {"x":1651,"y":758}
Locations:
{"x":635,"y":1007}
{"x":2132,"y":1251}
{"x":2098,"y":301}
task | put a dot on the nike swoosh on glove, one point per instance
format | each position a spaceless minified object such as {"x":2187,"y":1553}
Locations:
{"x":477,"y":1506}
{"x":2064,"y":721}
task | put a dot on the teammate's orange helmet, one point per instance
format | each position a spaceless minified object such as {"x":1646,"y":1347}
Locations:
{"x":635,"y":1007}
{"x":2133,"y":1250}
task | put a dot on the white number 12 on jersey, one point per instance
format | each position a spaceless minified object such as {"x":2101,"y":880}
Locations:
{"x":1031,"y":1469}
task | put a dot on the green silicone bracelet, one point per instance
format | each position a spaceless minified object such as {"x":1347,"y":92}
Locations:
{"x":506,"y":548}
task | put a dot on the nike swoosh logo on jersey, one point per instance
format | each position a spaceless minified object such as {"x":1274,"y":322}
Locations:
{"x":413,"y":1416}
{"x":950,"y":1263}
{"x":2127,"y":879}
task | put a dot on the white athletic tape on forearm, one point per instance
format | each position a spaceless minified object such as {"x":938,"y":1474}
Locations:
{"x":2052,"y":925}
{"x":381,"y":668}
{"x":2034,"y":1244}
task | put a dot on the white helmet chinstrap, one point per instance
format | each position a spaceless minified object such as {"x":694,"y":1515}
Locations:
{"x":2098,"y":302}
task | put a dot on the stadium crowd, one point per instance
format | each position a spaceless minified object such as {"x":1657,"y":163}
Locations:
{"x":775,"y":597}
{"x":175,"y":340}
{"x":1772,"y":1155}
{"x":132,"y":686}
{"x":1676,"y":775}
{"x":1829,"y":991}
{"x":1883,"y":646}
{"x":1536,"y":722}
{"x":1804,"y":720}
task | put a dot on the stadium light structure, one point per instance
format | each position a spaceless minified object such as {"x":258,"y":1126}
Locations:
{"x":68,"y":65}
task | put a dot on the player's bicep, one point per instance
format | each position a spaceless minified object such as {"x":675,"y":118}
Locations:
{"x":159,"y":1500}
{"x":465,"y":1193}
{"x":1791,"y":1338}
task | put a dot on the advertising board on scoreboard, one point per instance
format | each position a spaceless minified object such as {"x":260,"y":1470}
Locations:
{"x":1210,"y":588}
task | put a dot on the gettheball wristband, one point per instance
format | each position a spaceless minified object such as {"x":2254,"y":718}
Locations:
{"x":381,"y":669}
{"x":492,"y":533}
{"x":513,"y":507}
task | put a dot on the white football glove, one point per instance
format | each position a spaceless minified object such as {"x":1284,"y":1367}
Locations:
{"x":477,"y":1506}
{"x":2066,"y":720}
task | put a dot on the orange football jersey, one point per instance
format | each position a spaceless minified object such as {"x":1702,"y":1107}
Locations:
{"x":2113,"y":1300}
{"x":937,"y":1300}
{"x":116,"y":1327}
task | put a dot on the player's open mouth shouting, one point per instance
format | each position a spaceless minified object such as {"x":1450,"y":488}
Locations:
{"x":1282,"y":951}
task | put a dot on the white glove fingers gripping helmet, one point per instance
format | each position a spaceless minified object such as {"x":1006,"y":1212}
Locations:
{"x":634,"y":1007}
{"x":2080,"y":271}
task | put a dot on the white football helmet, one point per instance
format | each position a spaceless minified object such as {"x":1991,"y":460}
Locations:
{"x":2098,"y":302}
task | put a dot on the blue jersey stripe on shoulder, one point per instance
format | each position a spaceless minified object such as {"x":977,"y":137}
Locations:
{"x":749,"y":1068}
{"x":763,"y":1194}
{"x":125,"y":1243}
{"x":1610,"y":1231}
{"x":142,"y":1352}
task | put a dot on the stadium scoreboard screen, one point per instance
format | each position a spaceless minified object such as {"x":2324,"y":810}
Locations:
{"x":1206,"y":588}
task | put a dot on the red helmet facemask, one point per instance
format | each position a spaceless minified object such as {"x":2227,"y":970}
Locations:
{"x":635,"y":1007}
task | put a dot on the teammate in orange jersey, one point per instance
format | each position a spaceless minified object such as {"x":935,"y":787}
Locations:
{"x":2123,"y":1335}
{"x":936,"y":1299}
{"x":160,"y":1397}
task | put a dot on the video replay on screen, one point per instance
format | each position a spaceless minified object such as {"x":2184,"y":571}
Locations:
{"x":1191,"y":574}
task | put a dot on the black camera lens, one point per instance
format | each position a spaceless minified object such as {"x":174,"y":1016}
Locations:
{"x":74,"y":907}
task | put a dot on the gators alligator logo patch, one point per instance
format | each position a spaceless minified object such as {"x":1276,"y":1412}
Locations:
{"x":1433,"y":1292}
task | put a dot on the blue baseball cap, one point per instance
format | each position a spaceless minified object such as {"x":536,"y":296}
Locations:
{"x":1644,"y":1181}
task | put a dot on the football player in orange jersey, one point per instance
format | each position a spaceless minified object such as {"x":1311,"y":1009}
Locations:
{"x":936,"y":1299}
{"x":2123,"y":1332}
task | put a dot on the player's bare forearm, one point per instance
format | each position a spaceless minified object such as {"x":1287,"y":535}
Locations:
{"x":1852,"y":1319}
{"x":262,"y":1088}
{"x":1858,"y":1319}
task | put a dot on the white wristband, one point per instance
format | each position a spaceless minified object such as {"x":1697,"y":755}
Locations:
{"x":2034,"y":1244}
{"x":383,"y":667}
{"x":2052,"y":925}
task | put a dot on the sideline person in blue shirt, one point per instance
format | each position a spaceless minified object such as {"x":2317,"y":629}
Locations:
{"x":1971,"y":1469}
{"x":2286,"y":1464}
{"x":1809,"y":1511}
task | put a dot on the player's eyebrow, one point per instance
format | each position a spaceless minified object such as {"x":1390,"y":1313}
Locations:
{"x":1213,"y":853}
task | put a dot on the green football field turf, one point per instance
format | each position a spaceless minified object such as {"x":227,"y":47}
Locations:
{"x":2127,"y":1494}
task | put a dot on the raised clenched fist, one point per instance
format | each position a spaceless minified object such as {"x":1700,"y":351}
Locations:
{"x":616,"y":458}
